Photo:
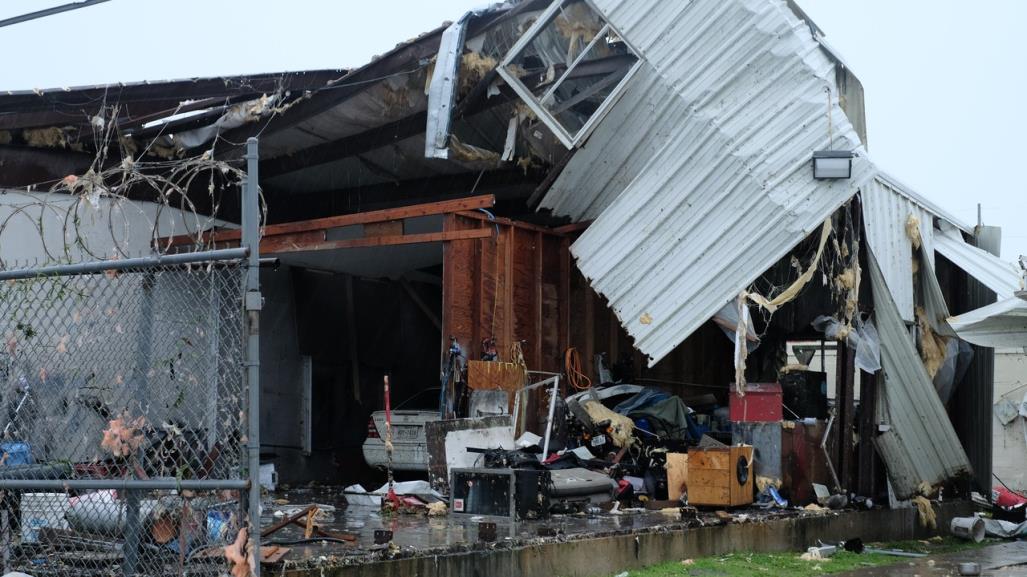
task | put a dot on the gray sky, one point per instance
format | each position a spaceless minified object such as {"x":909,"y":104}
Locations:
{"x":944,"y":81}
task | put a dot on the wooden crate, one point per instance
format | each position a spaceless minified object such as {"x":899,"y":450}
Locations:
{"x":715,"y":475}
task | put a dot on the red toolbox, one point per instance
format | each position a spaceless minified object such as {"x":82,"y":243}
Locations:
{"x":760,"y":404}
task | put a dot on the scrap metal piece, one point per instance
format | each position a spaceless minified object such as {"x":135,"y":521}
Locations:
{"x":442,"y":90}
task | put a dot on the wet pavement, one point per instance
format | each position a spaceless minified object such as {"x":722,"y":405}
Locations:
{"x":417,"y":534}
{"x":1003,"y":560}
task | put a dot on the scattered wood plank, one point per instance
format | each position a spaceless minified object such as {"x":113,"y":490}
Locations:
{"x":287,"y":521}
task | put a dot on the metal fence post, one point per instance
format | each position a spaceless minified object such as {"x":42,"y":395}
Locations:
{"x":133,"y":533}
{"x":252,"y":297}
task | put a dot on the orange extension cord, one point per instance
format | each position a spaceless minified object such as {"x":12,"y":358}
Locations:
{"x":572,"y":365}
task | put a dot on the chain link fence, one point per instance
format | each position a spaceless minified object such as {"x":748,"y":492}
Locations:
{"x":123,"y":409}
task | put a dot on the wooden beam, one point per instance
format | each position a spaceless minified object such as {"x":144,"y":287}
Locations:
{"x":321,"y":224}
{"x":507,"y":222}
{"x":273,"y":246}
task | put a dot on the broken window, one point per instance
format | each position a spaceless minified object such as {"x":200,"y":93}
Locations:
{"x":569,"y":68}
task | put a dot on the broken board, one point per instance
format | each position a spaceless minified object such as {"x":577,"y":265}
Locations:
{"x":677,"y":475}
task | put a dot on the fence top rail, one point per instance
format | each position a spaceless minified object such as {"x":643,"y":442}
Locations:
{"x":141,"y":263}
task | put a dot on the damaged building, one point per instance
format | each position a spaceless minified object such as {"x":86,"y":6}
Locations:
{"x":677,"y":197}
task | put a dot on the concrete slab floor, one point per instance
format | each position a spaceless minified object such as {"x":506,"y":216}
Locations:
{"x":1003,"y":560}
{"x":418,"y":534}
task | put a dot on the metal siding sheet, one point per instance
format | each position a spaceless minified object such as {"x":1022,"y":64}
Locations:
{"x":921,"y":444}
{"x":731,"y":191}
{"x":640,"y":124}
{"x":886,"y":212}
{"x":1001,"y":276}
{"x":1003,"y":324}
{"x":924,"y":202}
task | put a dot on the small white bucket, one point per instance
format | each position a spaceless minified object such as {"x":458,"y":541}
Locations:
{"x":39,"y":510}
{"x":971,"y":528}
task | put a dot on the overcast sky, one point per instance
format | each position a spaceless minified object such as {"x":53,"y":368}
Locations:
{"x":944,"y":79}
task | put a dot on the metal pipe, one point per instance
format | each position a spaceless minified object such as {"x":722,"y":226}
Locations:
{"x":253,"y":298}
{"x":549,"y":421}
{"x":94,"y":267}
{"x":124,"y":484}
{"x":133,"y":533}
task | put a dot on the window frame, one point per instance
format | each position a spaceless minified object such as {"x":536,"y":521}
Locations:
{"x":537,"y":105}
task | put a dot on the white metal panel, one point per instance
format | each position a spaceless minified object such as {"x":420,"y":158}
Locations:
{"x":920,"y":444}
{"x":442,"y":89}
{"x":921,"y":200}
{"x":637,"y":128}
{"x":732,"y":190}
{"x":886,"y":213}
{"x":1003,"y":277}
{"x":1003,"y":324}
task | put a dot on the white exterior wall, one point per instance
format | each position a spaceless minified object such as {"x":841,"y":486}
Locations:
{"x":54,"y":227}
{"x":1009,"y":461}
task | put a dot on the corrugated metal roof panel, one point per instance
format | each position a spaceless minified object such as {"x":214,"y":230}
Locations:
{"x":886,"y":212}
{"x":634,"y":131}
{"x":920,"y":444}
{"x":921,"y":200}
{"x":1003,"y":277}
{"x":732,"y":191}
{"x":1003,"y":324}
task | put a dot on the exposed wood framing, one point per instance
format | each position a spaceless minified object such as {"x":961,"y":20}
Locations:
{"x":866,"y":482}
{"x":360,"y":218}
{"x":846,"y":374}
{"x":288,"y":243}
{"x":506,"y":286}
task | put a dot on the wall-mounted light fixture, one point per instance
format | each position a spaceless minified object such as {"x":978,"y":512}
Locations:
{"x":832,"y":164}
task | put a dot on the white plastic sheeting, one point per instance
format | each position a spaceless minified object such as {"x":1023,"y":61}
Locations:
{"x":920,"y":445}
{"x":732,"y":190}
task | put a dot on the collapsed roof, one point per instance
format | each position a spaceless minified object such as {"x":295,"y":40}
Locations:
{"x":683,"y":130}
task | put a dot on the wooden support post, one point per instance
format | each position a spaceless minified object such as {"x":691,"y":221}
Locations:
{"x":589,"y":349}
{"x":846,"y":401}
{"x":537,"y":280}
{"x":866,"y":482}
{"x":564,"y":329}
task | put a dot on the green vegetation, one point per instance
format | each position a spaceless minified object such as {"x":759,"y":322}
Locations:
{"x":764,"y":564}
